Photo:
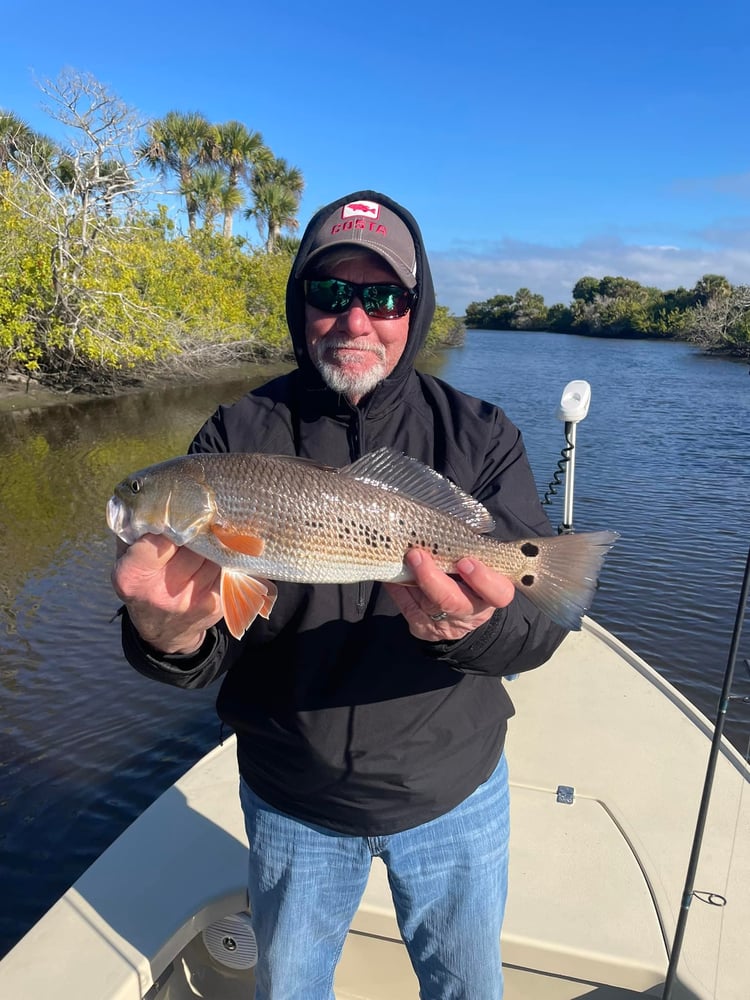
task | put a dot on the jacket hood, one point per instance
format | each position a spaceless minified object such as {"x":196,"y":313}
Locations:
{"x":420,"y":316}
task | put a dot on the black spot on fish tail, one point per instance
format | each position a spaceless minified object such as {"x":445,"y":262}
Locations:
{"x":563,"y":586}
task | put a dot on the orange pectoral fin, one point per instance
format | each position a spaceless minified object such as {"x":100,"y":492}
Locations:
{"x":249,"y":545}
{"x":243,"y":598}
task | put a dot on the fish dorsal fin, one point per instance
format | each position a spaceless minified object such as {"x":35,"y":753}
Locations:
{"x":398,"y":473}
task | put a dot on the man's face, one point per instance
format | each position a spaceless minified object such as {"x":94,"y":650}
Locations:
{"x":351,"y":350}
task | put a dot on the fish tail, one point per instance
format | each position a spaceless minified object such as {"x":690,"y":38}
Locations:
{"x":560,"y":578}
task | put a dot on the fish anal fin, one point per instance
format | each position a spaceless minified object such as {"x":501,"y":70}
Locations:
{"x":269,"y":598}
{"x":243,"y":598}
{"x":237,"y":541}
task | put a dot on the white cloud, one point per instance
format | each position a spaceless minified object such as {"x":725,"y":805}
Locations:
{"x":468,"y":275}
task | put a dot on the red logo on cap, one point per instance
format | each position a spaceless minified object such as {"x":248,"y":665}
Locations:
{"x":369,"y":208}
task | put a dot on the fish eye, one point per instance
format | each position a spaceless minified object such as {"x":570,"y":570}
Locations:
{"x":135,"y":485}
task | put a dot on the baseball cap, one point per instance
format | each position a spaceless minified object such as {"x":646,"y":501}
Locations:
{"x":372,"y":226}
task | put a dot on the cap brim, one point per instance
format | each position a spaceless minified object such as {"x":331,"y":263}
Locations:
{"x":403,"y":274}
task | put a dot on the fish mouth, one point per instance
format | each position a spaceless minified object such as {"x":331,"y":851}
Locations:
{"x":120,"y":521}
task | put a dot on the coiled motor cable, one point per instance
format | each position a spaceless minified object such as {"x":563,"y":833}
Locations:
{"x":557,"y":476}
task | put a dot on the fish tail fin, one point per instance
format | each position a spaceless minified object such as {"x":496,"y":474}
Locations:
{"x":243,"y":598}
{"x":561,"y":579}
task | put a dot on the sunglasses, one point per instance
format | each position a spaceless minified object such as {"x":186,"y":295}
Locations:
{"x":332,"y":295}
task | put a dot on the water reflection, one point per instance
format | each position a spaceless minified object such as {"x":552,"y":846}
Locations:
{"x":85,"y":744}
{"x":60,"y":464}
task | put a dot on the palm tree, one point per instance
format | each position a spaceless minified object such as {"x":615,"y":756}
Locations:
{"x":239,"y":151}
{"x":42,"y":156}
{"x":64,"y":174}
{"x":14,"y":134}
{"x":180,"y":142}
{"x":232,"y":199}
{"x":711,"y":286}
{"x":277,"y":190}
{"x":22,"y":149}
{"x":92,"y":181}
{"x":209,"y":193}
{"x":288,"y":245}
{"x":114,"y":181}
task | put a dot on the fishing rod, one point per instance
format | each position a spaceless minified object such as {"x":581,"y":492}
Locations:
{"x":688,"y":891}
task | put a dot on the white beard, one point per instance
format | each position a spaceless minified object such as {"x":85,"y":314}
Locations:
{"x":350,"y":384}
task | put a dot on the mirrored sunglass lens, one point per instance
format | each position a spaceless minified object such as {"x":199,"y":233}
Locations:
{"x":386,"y":301}
{"x":329,"y":295}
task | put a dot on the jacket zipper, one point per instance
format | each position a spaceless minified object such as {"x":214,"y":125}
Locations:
{"x":358,"y":448}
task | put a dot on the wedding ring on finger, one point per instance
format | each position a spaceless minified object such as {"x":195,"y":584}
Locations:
{"x":439,"y":616}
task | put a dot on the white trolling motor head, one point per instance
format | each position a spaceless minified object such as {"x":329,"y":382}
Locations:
{"x":575,"y":402}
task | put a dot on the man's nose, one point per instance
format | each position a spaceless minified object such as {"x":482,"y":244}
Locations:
{"x":354,"y":320}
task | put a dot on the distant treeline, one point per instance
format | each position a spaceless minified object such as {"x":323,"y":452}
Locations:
{"x":713,"y":314}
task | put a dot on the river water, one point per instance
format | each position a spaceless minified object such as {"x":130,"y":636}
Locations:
{"x":86,"y":744}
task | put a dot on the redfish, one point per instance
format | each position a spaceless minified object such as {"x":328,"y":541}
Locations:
{"x":273,"y":517}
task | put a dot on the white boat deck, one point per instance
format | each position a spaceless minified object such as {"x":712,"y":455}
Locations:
{"x":595,"y":885}
{"x":628,"y":740}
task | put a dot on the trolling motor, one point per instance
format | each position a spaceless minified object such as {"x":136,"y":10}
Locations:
{"x":573,"y":407}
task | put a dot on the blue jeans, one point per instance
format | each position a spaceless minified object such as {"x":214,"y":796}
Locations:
{"x":448,"y":878}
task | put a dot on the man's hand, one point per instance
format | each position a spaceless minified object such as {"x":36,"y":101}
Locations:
{"x":172,"y":594}
{"x":467,"y":603}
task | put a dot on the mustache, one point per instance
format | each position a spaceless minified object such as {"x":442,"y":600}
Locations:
{"x":346,"y":344}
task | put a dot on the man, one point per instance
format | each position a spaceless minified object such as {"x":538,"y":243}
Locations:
{"x":370,"y":718}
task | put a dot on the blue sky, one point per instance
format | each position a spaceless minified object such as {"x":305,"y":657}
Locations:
{"x":535,"y":143}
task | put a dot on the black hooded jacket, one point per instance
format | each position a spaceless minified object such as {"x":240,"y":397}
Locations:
{"x":342,"y":717}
